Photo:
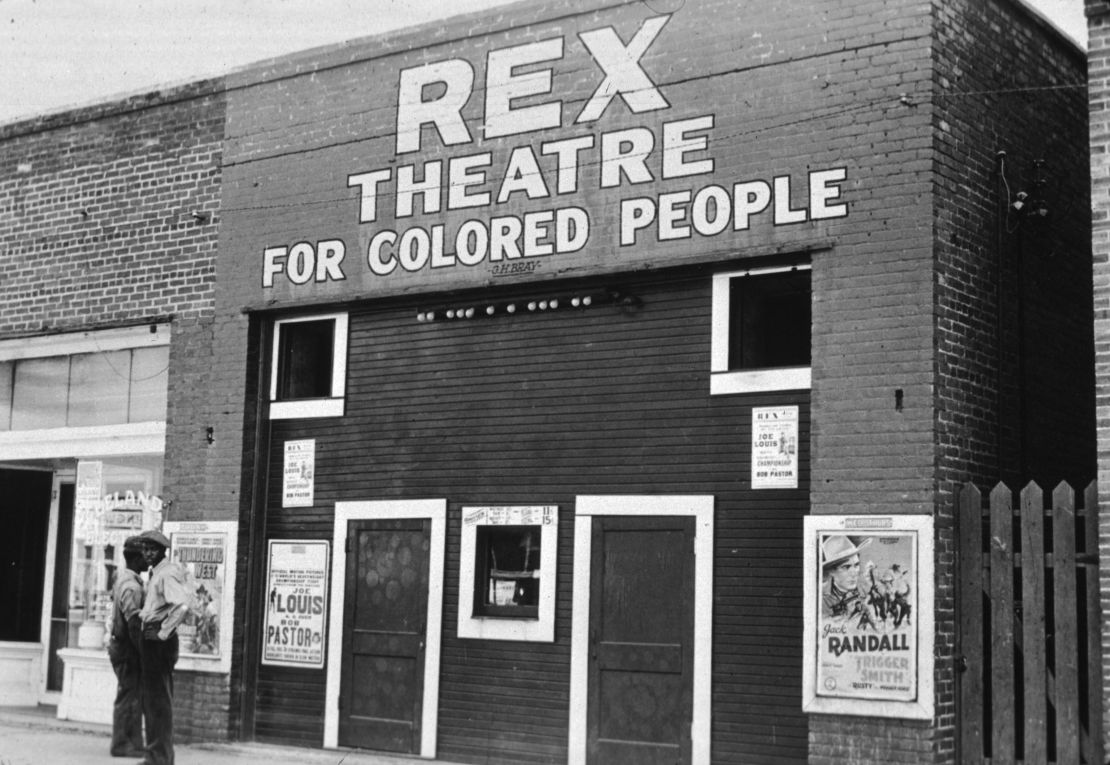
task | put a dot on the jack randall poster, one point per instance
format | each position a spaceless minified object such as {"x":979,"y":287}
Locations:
{"x":868,"y":612}
{"x":294,"y":632}
{"x":207,"y":552}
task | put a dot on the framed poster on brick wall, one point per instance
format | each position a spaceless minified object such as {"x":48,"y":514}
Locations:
{"x":869,"y":630}
{"x":207,"y":551}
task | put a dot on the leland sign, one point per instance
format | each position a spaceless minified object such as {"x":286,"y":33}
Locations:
{"x":549,"y":177}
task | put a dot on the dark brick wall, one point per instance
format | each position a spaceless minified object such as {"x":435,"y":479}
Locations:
{"x":1098,"y":56}
{"x":1014,"y":383}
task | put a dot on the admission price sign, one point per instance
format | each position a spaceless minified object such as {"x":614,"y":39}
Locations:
{"x":294,"y":632}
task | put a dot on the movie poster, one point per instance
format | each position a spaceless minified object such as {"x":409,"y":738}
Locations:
{"x":866,"y":609}
{"x":206,"y":551}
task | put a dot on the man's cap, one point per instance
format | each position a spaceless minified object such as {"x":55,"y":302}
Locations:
{"x":838,"y":548}
{"x":133,"y":544}
{"x":157,"y":537}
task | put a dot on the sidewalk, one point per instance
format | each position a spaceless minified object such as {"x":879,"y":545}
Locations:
{"x":33,"y":736}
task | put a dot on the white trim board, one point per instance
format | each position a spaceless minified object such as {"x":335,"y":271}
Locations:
{"x":436,"y":511}
{"x":701,"y":508}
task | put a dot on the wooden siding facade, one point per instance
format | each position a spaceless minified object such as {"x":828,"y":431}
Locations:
{"x":539,"y":408}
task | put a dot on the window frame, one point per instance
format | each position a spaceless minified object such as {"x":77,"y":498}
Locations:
{"x":534,"y":624}
{"x":724,"y":381}
{"x":328,"y":406}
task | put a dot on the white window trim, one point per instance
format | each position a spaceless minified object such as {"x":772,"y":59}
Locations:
{"x":436,"y":511}
{"x":722,"y":381}
{"x":506,"y":628}
{"x":332,"y":406}
{"x":701,"y":508}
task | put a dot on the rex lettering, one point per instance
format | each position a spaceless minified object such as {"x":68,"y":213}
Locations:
{"x":492,"y":165}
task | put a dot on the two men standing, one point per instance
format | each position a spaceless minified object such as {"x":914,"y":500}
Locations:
{"x":149,"y":631}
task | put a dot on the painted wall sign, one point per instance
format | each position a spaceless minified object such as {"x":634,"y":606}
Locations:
{"x":775,"y":447}
{"x":299,"y":473}
{"x":868,"y":615}
{"x":524,"y":160}
{"x":294,"y":633}
{"x":207,"y":552}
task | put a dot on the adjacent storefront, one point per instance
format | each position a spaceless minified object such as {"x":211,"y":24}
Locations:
{"x":83,"y":432}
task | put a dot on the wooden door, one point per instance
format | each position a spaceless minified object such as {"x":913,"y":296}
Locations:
{"x":641,"y":640}
{"x":384,"y":622}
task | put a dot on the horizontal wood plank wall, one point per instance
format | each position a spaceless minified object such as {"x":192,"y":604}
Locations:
{"x":536,"y":409}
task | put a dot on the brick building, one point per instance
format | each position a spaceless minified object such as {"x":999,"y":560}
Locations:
{"x":532,"y":369}
{"x":1098,"y":18}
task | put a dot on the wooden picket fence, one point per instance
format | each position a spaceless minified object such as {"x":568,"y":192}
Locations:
{"x":1029,"y":655}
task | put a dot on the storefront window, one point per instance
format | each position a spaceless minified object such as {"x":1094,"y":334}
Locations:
{"x":114,"y":500}
{"x":150,"y":374}
{"x":39,"y":396}
{"x":97,"y":389}
{"x":85,"y":389}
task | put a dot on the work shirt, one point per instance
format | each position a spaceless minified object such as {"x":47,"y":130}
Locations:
{"x":165,"y":592}
{"x":128,"y":598}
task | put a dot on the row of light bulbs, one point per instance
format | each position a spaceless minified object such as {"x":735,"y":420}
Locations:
{"x":610,"y":297}
{"x":492,"y":309}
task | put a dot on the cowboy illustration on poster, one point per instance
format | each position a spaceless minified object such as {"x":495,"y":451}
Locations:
{"x":867,"y":641}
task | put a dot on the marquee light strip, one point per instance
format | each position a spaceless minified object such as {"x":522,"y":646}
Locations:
{"x":486,"y":309}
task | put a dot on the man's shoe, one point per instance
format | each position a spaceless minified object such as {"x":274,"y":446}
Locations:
{"x":128,"y":752}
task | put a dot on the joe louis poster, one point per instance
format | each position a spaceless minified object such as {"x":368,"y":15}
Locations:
{"x":869,"y":615}
{"x":207,"y":553}
{"x":296,"y":604}
{"x":298,"y":474}
{"x":775,"y":447}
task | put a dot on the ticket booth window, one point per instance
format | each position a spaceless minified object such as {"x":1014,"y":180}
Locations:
{"x":507,"y":572}
{"x":509,"y":577}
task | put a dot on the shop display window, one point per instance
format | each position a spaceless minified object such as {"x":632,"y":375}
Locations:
{"x":114,"y":500}
{"x":507,"y":572}
{"x":309,"y":367}
{"x":761,"y":335}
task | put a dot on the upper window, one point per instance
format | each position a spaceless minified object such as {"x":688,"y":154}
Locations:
{"x":309,"y":367}
{"x":761,"y":330}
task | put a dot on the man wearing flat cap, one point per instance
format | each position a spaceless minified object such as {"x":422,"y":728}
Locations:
{"x":166,"y":605}
{"x":841,"y":596}
{"x":125,"y":652}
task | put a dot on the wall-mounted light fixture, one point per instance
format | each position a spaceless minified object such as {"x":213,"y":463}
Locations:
{"x":1031,"y":204}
